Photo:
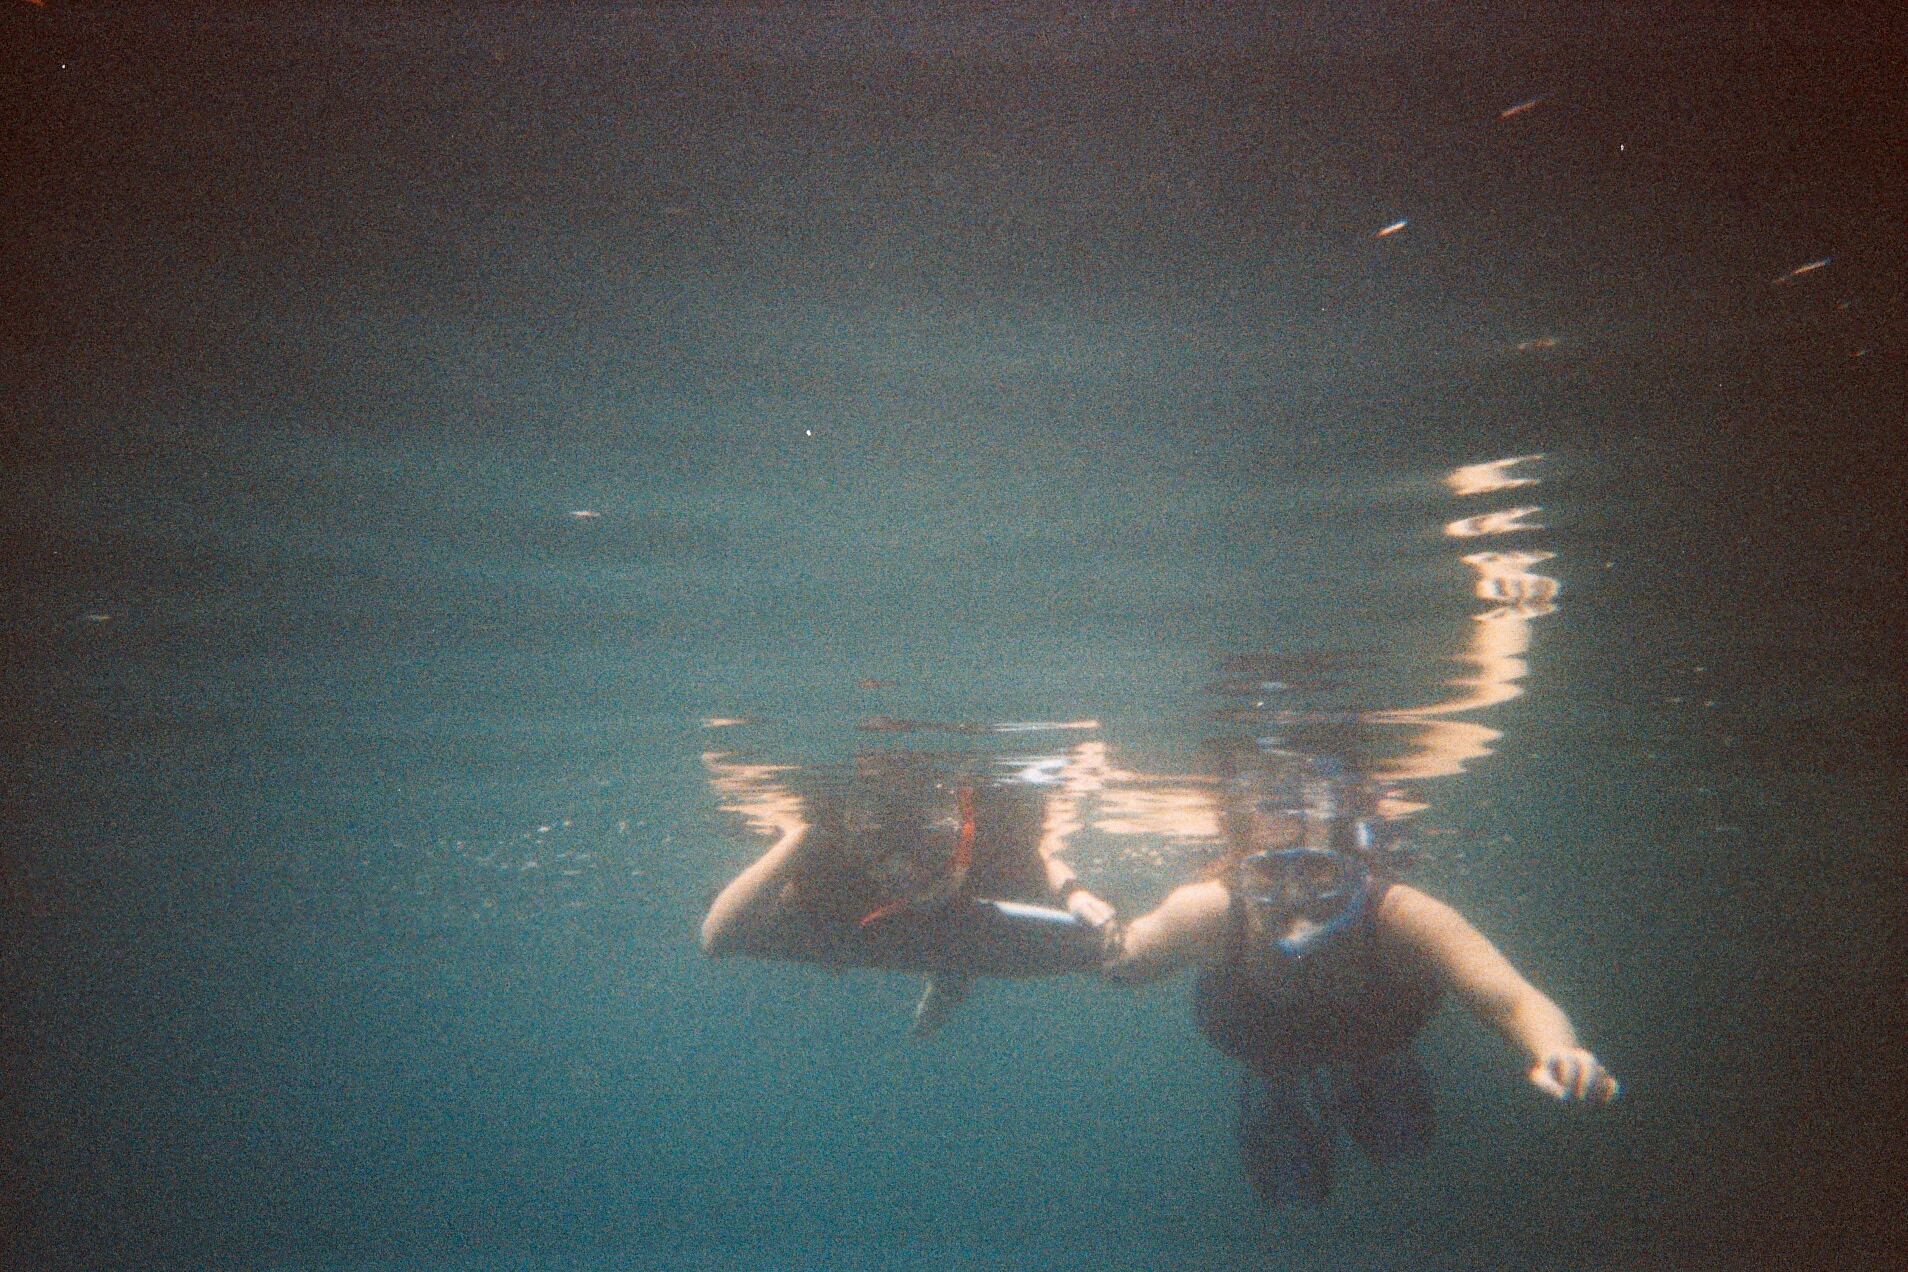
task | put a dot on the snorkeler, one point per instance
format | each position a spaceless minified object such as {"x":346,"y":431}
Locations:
{"x":905,"y":865}
{"x":1317,"y":970}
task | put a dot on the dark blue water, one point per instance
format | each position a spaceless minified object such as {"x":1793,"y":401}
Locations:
{"x":1029,"y":366}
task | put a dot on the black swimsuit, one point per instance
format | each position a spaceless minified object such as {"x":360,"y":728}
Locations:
{"x":1327,"y":1044}
{"x":1347,"y":1002}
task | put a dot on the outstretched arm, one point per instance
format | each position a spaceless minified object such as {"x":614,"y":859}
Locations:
{"x":1498,"y":994}
{"x":1187,"y":930}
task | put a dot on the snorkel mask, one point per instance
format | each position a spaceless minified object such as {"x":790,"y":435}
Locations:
{"x":1312,"y":894}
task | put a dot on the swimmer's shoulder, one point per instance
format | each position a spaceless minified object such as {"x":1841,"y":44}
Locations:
{"x":1201,"y":904}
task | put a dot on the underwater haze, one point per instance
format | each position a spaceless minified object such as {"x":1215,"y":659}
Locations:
{"x":438,"y":438}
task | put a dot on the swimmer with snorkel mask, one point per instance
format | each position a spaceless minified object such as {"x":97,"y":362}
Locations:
{"x":1317,"y":970}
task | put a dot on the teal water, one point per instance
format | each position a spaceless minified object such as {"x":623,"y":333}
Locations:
{"x":1029,"y":367}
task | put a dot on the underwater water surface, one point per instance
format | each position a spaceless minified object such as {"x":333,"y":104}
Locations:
{"x":440,"y":440}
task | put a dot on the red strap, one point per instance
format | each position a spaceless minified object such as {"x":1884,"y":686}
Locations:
{"x":963,"y":857}
{"x":882,"y":912}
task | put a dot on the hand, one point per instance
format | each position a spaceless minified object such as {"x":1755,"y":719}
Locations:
{"x":1574,"y":1074}
{"x":1091,"y":908}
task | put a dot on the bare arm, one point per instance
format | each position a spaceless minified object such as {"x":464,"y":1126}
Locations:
{"x":1187,"y":930}
{"x":750,"y":894}
{"x":1498,"y":994}
{"x":756,"y":792}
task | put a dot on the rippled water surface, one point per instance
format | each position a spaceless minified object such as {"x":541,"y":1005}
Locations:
{"x":457,"y":461}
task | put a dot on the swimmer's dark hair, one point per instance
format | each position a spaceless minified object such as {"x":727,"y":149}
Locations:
{"x":1253,"y":773}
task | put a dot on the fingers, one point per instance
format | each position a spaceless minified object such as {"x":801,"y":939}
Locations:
{"x":1090,"y":908}
{"x":1574,"y":1075}
{"x":1542,"y":1079}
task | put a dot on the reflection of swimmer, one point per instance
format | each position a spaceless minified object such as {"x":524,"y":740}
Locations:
{"x":906,"y":866}
{"x":1317,"y":971}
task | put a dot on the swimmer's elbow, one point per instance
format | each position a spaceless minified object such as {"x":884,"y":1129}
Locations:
{"x":717,"y":937}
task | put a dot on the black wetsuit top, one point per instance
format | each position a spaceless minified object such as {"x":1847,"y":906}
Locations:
{"x":888,"y":897}
{"x":1347,"y":1001}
